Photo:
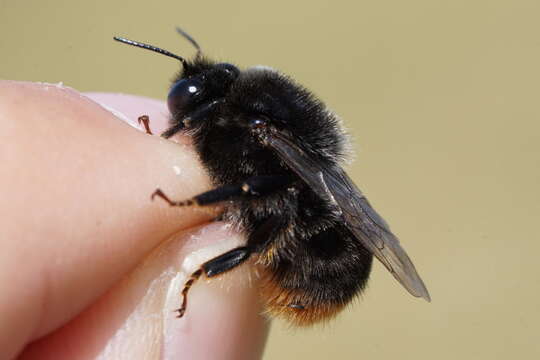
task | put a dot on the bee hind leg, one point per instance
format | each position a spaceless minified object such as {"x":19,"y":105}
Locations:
{"x":255,"y":186}
{"x":215,"y":267}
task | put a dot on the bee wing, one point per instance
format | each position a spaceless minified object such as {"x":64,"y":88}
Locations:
{"x":363,"y":221}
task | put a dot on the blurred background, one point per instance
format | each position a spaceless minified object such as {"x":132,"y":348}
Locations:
{"x":442,"y":99}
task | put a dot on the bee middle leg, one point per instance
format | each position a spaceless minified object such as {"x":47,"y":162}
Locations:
{"x":255,"y":186}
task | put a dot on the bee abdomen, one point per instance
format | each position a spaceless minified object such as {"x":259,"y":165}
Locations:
{"x":296,"y":306}
{"x":330,"y":269}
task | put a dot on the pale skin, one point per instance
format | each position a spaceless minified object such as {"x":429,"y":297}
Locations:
{"x":87,"y":258}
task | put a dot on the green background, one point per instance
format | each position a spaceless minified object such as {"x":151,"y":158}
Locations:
{"x":442,"y":99}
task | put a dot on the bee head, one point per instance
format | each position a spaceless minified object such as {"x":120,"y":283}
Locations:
{"x":198,"y":87}
{"x":201,"y":83}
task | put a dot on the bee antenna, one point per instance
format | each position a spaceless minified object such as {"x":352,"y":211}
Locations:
{"x":152,"y":48}
{"x":188,"y":37}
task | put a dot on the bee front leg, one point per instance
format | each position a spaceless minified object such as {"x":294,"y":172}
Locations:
{"x":214,"y":267}
{"x":253,"y":187}
{"x":145,"y":121}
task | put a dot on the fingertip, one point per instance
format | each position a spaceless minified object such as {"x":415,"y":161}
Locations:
{"x":76,"y":211}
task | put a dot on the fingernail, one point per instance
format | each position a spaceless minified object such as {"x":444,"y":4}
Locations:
{"x":128,"y":108}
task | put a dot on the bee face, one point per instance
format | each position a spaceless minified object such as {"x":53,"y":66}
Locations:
{"x":201,"y":85}
{"x":273,"y":151}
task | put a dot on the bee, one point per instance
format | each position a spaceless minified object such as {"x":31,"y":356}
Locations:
{"x":274,"y":153}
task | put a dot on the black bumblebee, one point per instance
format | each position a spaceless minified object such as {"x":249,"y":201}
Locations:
{"x":273,"y":151}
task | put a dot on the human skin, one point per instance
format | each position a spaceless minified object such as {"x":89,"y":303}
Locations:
{"x":90,"y":266}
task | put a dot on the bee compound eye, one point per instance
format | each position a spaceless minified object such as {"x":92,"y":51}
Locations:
{"x":182,"y":93}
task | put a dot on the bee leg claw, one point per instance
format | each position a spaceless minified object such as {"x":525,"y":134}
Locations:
{"x":180,"y":312}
